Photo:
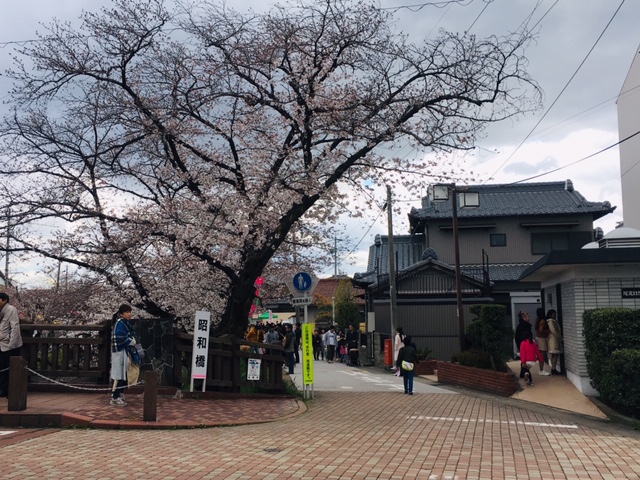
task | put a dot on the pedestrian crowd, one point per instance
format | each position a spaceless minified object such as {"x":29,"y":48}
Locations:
{"x":332,"y":344}
{"x":548,"y":341}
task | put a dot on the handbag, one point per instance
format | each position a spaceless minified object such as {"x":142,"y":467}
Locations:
{"x":408,"y":366}
{"x":140,"y":351}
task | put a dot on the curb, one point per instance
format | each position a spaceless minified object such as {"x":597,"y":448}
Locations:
{"x":78,"y":420}
{"x":614,"y":416}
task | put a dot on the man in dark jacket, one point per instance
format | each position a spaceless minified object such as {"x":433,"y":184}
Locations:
{"x":289,"y":346}
{"x":524,"y":325}
{"x":297,"y":332}
{"x":352,"y":337}
{"x":406,"y":362}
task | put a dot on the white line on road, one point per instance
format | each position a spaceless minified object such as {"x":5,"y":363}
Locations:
{"x":504,"y":422}
{"x":7,"y":432}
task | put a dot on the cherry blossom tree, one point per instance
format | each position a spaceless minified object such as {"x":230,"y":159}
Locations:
{"x":184,"y":149}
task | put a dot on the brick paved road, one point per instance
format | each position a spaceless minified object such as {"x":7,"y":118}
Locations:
{"x":370,"y":435}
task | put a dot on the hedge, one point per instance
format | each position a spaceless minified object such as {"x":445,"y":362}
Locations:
{"x":612,"y":349}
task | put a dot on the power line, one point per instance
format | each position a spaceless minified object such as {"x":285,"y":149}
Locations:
{"x":419,"y":6}
{"x":479,"y":15}
{"x":583,"y":159}
{"x":561,"y":91}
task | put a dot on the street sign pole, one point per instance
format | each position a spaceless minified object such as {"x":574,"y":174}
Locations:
{"x":301,"y":287}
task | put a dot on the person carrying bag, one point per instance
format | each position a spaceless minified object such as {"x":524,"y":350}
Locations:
{"x":406,"y":362}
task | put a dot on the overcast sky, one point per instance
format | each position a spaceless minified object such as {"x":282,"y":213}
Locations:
{"x":582,"y":121}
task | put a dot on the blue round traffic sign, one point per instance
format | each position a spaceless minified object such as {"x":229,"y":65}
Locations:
{"x":302,"y":281}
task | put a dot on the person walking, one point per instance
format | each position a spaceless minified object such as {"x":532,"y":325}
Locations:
{"x":316,"y":342}
{"x":289,"y":348}
{"x":398,"y":343}
{"x":523,"y":327}
{"x":542,"y":335}
{"x":529,"y":354}
{"x":323,"y":347}
{"x":123,"y":351}
{"x":406,"y":361}
{"x":555,"y":340}
{"x":10,"y":340}
{"x":297,"y":332}
{"x":331,"y":340}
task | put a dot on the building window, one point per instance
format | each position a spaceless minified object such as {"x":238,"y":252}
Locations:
{"x":543,"y":243}
{"x":498,"y":239}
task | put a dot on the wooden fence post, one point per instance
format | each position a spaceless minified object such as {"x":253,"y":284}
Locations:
{"x":18,"y":375}
{"x":150,"y":405}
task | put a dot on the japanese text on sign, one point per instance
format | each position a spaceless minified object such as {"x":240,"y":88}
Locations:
{"x":200,"y":341}
{"x":307,"y":353}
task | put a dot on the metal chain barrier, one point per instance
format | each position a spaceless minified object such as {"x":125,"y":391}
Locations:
{"x":109,"y":389}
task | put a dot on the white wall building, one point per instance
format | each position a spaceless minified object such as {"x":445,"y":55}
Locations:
{"x":629,"y":124}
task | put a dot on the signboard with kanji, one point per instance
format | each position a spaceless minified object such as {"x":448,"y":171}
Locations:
{"x":307,"y":353}
{"x":200,"y":347}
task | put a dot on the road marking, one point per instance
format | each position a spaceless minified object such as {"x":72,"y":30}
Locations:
{"x":347,"y":388}
{"x":7,"y":432}
{"x":503,"y":422}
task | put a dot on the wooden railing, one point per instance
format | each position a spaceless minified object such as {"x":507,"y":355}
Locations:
{"x":227,"y":364}
{"x":83,"y":353}
{"x":78,"y":351}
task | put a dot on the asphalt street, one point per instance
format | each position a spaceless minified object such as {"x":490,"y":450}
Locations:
{"x":338,"y":377}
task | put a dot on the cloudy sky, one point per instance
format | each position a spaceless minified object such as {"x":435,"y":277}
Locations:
{"x":583,"y":51}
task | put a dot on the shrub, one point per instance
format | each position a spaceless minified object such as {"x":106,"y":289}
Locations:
{"x":424,"y":353}
{"x":605,"y":331}
{"x":620,"y":386}
{"x":611,"y":336}
{"x":474,"y":358}
{"x":487,"y":333}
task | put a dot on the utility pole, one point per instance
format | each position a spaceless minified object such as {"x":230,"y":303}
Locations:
{"x":335,"y":255}
{"x":392,"y":269}
{"x":6,"y":252}
{"x":456,"y":254}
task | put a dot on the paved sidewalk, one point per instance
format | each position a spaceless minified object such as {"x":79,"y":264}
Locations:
{"x":210,"y":410}
{"x":93,"y":410}
{"x":351,"y":435}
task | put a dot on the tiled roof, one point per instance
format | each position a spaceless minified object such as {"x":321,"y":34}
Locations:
{"x":410,"y":252}
{"x":327,"y":288}
{"x":551,"y":198}
{"x":499,"y":273}
{"x":408,"y":247}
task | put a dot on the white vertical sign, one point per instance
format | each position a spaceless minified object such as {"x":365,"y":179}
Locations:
{"x":200,"y":348}
{"x":253,"y":368}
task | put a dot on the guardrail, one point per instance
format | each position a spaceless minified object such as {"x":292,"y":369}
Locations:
{"x":84,"y":354}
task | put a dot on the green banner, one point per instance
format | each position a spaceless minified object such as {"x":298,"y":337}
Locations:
{"x":307,"y":353}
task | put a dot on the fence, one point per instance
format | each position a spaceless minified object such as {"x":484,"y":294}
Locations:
{"x":84,"y":352}
{"x":84,"y":355}
{"x":227,"y":364}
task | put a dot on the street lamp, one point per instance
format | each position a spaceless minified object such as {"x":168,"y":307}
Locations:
{"x":441,"y":193}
